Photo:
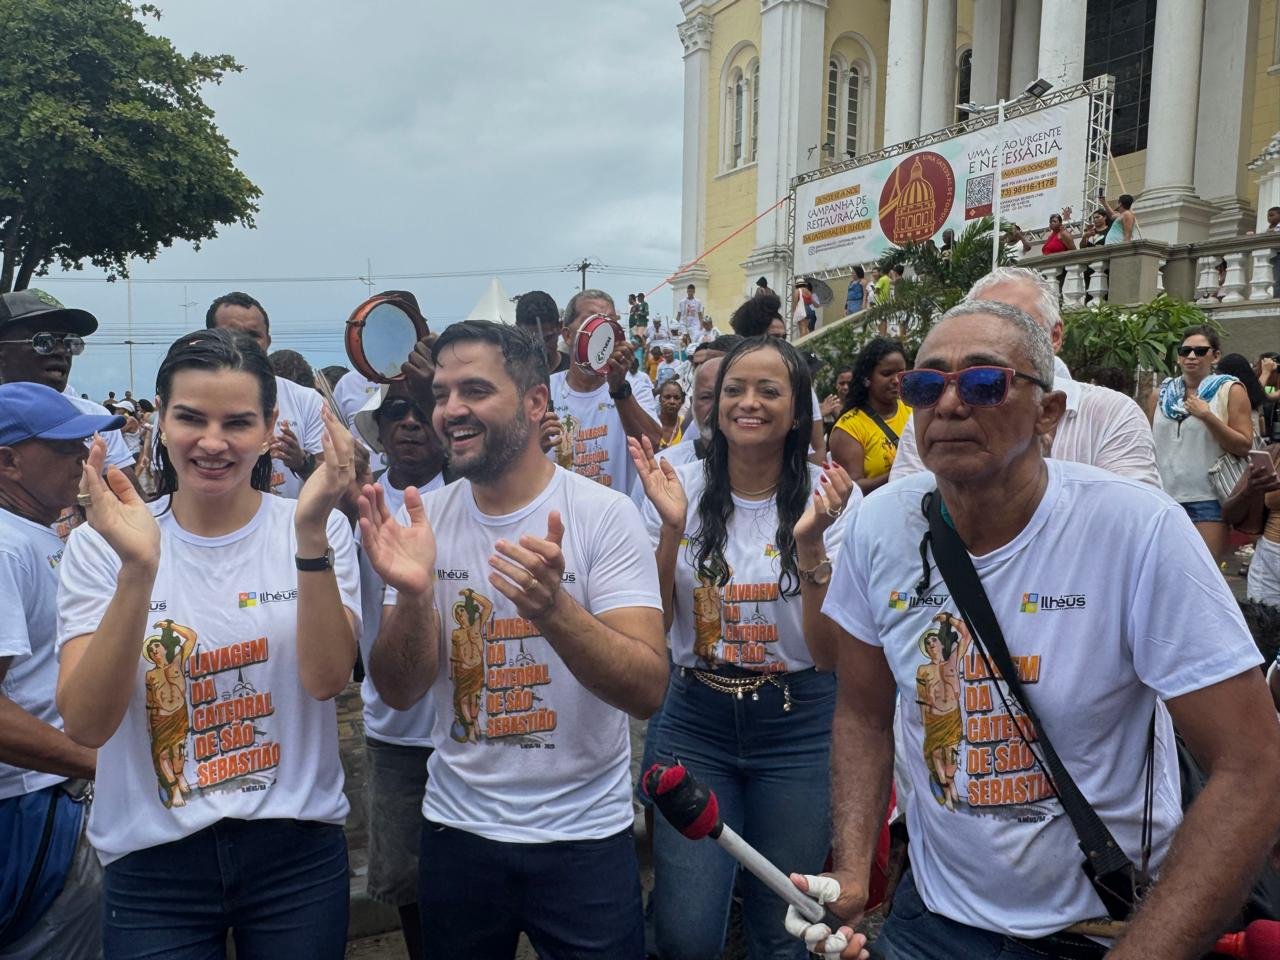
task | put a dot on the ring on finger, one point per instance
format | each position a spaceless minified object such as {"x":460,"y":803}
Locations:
{"x":84,"y":499}
{"x":833,"y":514}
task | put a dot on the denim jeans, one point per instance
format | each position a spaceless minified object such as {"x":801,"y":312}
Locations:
{"x":769,"y":769}
{"x":280,"y":885}
{"x":914,"y":932}
{"x":574,"y":899}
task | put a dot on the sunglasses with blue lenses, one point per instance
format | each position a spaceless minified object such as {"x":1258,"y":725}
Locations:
{"x":976,"y":386}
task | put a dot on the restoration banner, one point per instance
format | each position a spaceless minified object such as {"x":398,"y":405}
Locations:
{"x":853,"y":216}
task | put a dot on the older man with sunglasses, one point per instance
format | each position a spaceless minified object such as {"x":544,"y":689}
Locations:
{"x":39,"y":338}
{"x":1099,"y":426}
{"x":1115,"y":621}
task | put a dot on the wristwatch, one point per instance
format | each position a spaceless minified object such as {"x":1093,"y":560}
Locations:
{"x":819,"y":574}
{"x":316,"y":564}
{"x":622,"y":392}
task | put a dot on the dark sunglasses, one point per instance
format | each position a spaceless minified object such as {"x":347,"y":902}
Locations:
{"x":1197,"y":351}
{"x":46,"y":343}
{"x":976,"y":386}
{"x":398,"y":408}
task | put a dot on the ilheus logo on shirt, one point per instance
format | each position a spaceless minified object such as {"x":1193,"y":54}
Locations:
{"x":155,"y":606}
{"x":453,"y":574}
{"x":902,"y":600}
{"x":1036,"y":602}
{"x":254,"y":598}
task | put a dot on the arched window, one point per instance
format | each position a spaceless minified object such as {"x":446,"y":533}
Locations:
{"x":738,"y":94}
{"x":964,"y":82}
{"x":755,"y":107}
{"x":833,"y":102}
{"x":853,"y":86}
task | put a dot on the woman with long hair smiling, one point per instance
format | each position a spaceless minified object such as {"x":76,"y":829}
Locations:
{"x":202,"y":639}
{"x":740,"y":537}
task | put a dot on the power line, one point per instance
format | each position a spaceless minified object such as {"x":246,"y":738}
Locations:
{"x":593,"y":264}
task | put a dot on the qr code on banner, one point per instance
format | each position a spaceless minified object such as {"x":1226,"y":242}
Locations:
{"x":977,"y":196}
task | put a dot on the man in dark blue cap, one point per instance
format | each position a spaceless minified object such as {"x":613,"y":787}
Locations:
{"x":43,"y":775}
{"x":39,"y":337}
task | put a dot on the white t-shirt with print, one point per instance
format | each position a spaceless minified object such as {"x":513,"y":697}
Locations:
{"x":592,"y":443}
{"x":410,"y":727}
{"x":224,"y":612}
{"x":301,"y":408}
{"x":689,"y":315}
{"x":747,"y":623}
{"x":523,"y":752}
{"x":1098,"y":636}
{"x":29,"y":558}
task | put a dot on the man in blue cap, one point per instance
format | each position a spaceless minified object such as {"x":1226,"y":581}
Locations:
{"x":39,"y":338}
{"x":43,"y":775}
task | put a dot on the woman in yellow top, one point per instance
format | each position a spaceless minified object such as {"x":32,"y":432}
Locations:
{"x":865,"y":438}
{"x":670,"y":402}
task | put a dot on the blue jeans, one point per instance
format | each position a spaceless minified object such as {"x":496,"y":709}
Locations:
{"x":1203,"y":511}
{"x":914,"y":932}
{"x":280,"y":885}
{"x":769,"y":769}
{"x":574,"y":899}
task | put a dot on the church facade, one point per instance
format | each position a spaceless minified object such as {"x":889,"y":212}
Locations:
{"x":777,"y":88}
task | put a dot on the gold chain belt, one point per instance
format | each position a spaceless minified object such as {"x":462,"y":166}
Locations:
{"x":737,"y":686}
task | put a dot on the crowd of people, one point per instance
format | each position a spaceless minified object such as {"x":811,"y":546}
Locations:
{"x":967,"y":602}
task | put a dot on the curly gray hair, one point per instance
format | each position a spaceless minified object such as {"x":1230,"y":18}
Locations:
{"x":1047,"y":309}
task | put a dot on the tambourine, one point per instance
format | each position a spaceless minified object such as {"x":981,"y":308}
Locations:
{"x":595,"y":342}
{"x":381,"y":334}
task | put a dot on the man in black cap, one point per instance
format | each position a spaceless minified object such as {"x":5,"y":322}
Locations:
{"x":537,"y":312}
{"x":38,"y":339}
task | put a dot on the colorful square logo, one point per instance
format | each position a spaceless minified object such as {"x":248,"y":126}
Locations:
{"x":248,"y":600}
{"x":897,"y":600}
{"x":770,"y":550}
{"x":1030,"y":603}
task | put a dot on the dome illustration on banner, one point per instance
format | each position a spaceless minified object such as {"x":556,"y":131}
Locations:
{"x":916,"y":199}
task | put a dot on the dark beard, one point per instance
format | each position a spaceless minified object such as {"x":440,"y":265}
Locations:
{"x":502,"y":447}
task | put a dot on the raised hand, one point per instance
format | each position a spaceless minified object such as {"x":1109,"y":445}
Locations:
{"x":405,"y":557}
{"x":550,"y":431}
{"x":286,"y":448}
{"x":114,"y":509}
{"x":324,"y":488}
{"x":528,"y":573}
{"x":420,"y":372}
{"x":661,"y":484}
{"x":830,"y":496}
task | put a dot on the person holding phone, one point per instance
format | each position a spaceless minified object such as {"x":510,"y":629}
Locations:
{"x":1195,"y":419}
{"x":1254,"y":508}
{"x":1060,"y":239}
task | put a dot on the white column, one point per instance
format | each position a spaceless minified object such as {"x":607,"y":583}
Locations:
{"x":695,"y":35}
{"x":1227,"y":80}
{"x":992,"y":42}
{"x":792,"y":87}
{"x":1062,"y":42}
{"x":938,"y":85}
{"x":1266,"y":167}
{"x":1169,"y":210}
{"x":1024,"y":58}
{"x":903,"y":71}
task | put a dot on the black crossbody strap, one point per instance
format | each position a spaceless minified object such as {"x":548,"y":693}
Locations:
{"x":1103,"y":853}
{"x":888,"y":431}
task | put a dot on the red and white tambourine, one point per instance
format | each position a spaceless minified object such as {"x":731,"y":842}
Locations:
{"x":597,"y":338}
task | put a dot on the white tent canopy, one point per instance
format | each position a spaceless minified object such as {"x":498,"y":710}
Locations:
{"x":494,"y":304}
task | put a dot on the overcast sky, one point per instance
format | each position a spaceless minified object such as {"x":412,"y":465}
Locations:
{"x":427,"y":137}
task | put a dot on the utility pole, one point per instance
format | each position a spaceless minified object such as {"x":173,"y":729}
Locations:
{"x":129,"y":287}
{"x":186,"y":307}
{"x":587,"y":263}
{"x":367,"y":279}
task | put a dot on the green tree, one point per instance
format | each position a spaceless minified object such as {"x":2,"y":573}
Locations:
{"x":109,"y":151}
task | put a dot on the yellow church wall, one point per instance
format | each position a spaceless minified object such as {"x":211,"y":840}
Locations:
{"x":1266,"y":96}
{"x":730,"y":196}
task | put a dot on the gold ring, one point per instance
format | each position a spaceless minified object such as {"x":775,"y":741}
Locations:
{"x":84,"y":499}
{"x":834,"y":514}
{"x":344,"y":466}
